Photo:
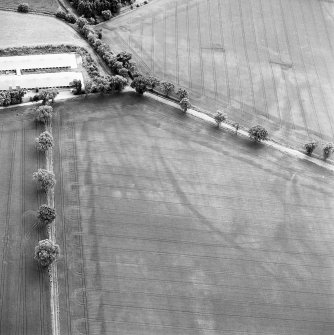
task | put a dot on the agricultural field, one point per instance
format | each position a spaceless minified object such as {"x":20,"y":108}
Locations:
{"x":264,"y":61}
{"x":42,"y":6}
{"x":24,"y":287}
{"x":25,"y":30}
{"x":170,"y":226}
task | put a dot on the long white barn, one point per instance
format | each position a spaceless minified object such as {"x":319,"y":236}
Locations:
{"x":68,"y":60}
{"x":40,"y":80}
{"x":42,"y":71}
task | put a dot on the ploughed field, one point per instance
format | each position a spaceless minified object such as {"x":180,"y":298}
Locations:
{"x":169,"y":226}
{"x":43,"y":6}
{"x":24,"y":287}
{"x":268,"y":61}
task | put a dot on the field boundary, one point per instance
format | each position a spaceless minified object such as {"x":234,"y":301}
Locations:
{"x":316,"y":159}
{"x":328,"y":164}
{"x":53,"y":273}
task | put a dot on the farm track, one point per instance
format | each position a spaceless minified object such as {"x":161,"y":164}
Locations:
{"x":272,"y":69}
{"x":63,"y":241}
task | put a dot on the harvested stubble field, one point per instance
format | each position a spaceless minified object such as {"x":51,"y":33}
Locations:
{"x":24,"y":287}
{"x":43,"y":6}
{"x":169,"y":226}
{"x":270,"y":61}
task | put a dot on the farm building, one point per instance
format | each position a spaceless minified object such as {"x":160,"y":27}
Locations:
{"x":43,"y":71}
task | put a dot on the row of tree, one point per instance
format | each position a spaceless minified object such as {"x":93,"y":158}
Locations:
{"x":46,"y":251}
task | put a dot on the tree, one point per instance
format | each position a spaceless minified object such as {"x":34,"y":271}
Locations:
{"x":81,"y":22}
{"x":153,"y":82}
{"x":46,"y":214}
{"x":23,"y":8}
{"x":258,"y":133}
{"x":309,"y":147}
{"x":139,"y":84}
{"x":44,"y":142}
{"x":167,"y":87}
{"x":44,"y":179}
{"x":70,"y":18}
{"x":219,"y":118}
{"x":107,"y":15}
{"x":85,"y":8}
{"x":16,"y":96}
{"x":43,"y":114}
{"x":118,"y":83}
{"x":61,"y":14}
{"x":236,"y":126}
{"x":5,"y":98}
{"x":102,"y":84}
{"x":327,"y":150}
{"x":48,"y":94}
{"x":185,"y":104}
{"x":124,"y":56}
{"x":182,"y":93}
{"x":123,"y":72}
{"x":46,"y":252}
{"x":77,"y":87}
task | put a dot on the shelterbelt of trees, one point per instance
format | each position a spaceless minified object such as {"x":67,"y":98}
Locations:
{"x":92,"y":8}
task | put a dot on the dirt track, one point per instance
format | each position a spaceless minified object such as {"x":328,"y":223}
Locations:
{"x":171,"y":227}
{"x":24,"y":296}
{"x":270,"y":61}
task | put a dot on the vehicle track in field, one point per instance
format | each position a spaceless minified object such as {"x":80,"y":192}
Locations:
{"x":268,"y":59}
{"x":308,"y":85}
{"x":7,"y":219}
{"x":198,"y":20}
{"x":244,"y":43}
{"x":306,"y":127}
{"x":212,"y":51}
{"x":41,"y":236}
{"x":260,"y":62}
{"x":236,"y":57}
{"x":21,"y":301}
{"x":227,"y":80}
{"x":188,"y":45}
{"x":177,"y":65}
{"x":80,"y":230}
{"x":59,"y":127}
{"x":323,"y":19}
{"x":324,"y":100}
{"x":280,"y":53}
{"x":318,"y":38}
{"x":152,"y":45}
